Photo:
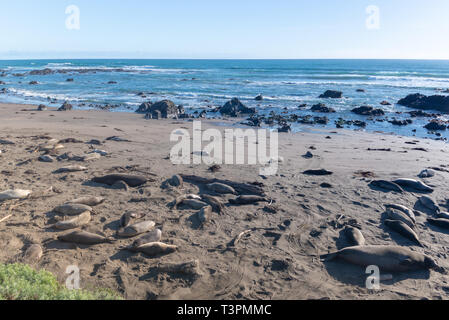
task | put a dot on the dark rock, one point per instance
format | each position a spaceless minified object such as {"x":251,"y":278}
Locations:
{"x":385,"y":103}
{"x":112,"y":82}
{"x":41,"y":72}
{"x":285,"y":129}
{"x":321,"y":120}
{"x":420,"y":113}
{"x":234,"y":108}
{"x":42,"y":107}
{"x":259,"y":98}
{"x":33,"y":83}
{"x":435,"y":125}
{"x":368,"y":111}
{"x":144,"y":107}
{"x":360,"y":90}
{"x":70,"y":80}
{"x":332,"y":94}
{"x":396,"y":122}
{"x":66,"y":107}
{"x":3,"y":91}
{"x":320,"y":107}
{"x":320,"y":172}
{"x":165,"y":108}
{"x":422,"y":102}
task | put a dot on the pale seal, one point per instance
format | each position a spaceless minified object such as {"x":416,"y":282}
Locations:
{"x":152,"y":236}
{"x":88,"y":201}
{"x":413,"y":184}
{"x":387,"y":258}
{"x":136,"y":229}
{"x":155,"y":249}
{"x":72,"y":209}
{"x":14,"y":194}
{"x":76,"y":222}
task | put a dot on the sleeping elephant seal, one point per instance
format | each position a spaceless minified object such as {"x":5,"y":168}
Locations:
{"x":387,"y":258}
{"x":414,"y":184}
{"x":84,"y":237}
{"x":404,"y":230}
{"x":131,"y":180}
{"x":355,"y":236}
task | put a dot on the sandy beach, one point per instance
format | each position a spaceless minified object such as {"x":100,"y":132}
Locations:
{"x":277,"y":259}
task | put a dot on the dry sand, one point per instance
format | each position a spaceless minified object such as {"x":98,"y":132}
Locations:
{"x":278,"y":260}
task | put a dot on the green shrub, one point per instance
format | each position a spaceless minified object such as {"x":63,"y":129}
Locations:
{"x":21,"y":282}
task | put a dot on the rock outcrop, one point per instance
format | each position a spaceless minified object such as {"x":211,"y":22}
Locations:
{"x":422,"y":102}
{"x":235,"y":108}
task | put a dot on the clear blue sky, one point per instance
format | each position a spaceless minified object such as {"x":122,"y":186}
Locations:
{"x":225,"y":29}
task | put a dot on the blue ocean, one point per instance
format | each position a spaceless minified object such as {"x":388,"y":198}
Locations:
{"x":202,"y":84}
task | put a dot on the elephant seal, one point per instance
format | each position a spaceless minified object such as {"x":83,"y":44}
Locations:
{"x":72,"y":209}
{"x":88,"y":201}
{"x":74,"y":168}
{"x":131,"y":180}
{"x":404,"y":230}
{"x":76,"y":222}
{"x":387,"y":258}
{"x":404,"y":209}
{"x":125,"y":220}
{"x":176,"y":181}
{"x":355,"y":236}
{"x":152,"y":236}
{"x":14,"y":194}
{"x":443,"y":215}
{"x":429,"y":203}
{"x":181,"y":198}
{"x":387,"y":185}
{"x":33,"y":254}
{"x":248,"y":200}
{"x":194,"y":204}
{"x":397,"y":215}
{"x":413,"y":184}
{"x":220,"y":188}
{"x":155,"y":249}
{"x":84,"y":237}
{"x":204,"y":215}
{"x":214,"y":202}
{"x":442,"y":223}
{"x":136,"y":229}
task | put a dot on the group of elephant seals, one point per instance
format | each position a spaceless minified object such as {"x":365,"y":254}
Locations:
{"x":386,"y":185}
{"x":387,"y":258}
{"x":130,"y":180}
{"x":393,"y":214}
{"x":76,"y":222}
{"x":404,"y":230}
{"x":354,"y":236}
{"x":84,"y":237}
{"x":413,"y":184}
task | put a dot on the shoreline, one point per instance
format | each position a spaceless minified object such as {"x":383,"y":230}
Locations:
{"x":275,"y":261}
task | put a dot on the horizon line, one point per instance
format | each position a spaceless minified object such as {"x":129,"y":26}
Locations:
{"x":255,"y":59}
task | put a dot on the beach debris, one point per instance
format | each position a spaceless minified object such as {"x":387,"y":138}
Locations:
{"x":429,"y":203}
{"x":155,"y":249}
{"x":6,"y":142}
{"x":308,"y":155}
{"x":387,"y":185}
{"x":242,"y":200}
{"x":33,"y":254}
{"x":72,"y":209}
{"x":214,"y":168}
{"x":319,"y":172}
{"x":387,"y":258}
{"x":90,"y":201}
{"x":130,"y":180}
{"x":14,"y":194}
{"x":76,"y":222}
{"x":74,"y":168}
{"x":404,"y":230}
{"x":220,"y":188}
{"x":413,"y":184}
{"x":136,"y":229}
{"x":84,"y":237}
{"x":152,"y":236}
{"x":117,"y":139}
{"x":427,"y":173}
{"x":354,"y":236}
{"x":126,"y":218}
{"x":5,"y":218}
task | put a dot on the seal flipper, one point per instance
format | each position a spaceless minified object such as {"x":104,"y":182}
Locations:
{"x":328,"y":257}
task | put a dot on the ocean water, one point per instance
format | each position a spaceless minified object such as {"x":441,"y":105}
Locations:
{"x":198,"y":84}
